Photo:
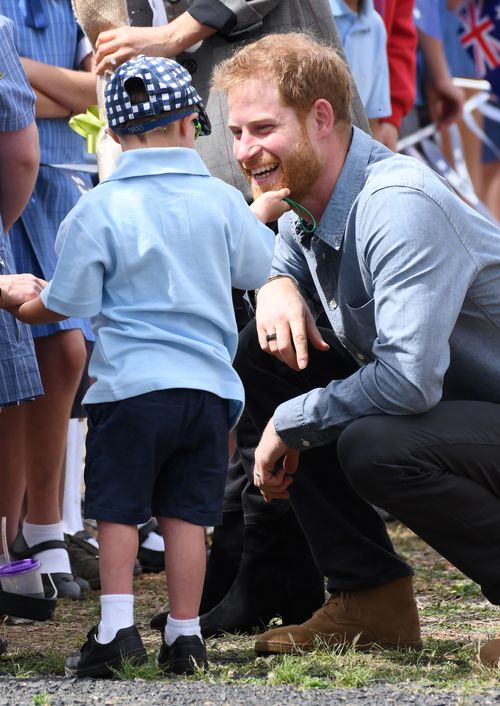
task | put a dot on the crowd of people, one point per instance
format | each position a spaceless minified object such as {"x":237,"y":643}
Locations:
{"x":358,"y":372}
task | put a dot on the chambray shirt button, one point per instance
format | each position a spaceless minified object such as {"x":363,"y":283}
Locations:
{"x":332,"y":304}
{"x":305,"y":443}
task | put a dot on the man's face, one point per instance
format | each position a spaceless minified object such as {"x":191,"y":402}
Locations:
{"x":271,"y":143}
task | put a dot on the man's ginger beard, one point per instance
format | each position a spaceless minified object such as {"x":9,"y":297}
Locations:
{"x":297,"y":172}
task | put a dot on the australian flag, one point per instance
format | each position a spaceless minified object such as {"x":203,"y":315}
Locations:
{"x":480,"y":35}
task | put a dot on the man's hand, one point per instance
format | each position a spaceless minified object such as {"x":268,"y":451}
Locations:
{"x":17,"y":289}
{"x":283,"y":314}
{"x":273,"y":486}
{"x":269,"y":206}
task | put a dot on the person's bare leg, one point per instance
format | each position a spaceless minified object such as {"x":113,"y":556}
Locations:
{"x":61,"y":358}
{"x":12,"y":475}
{"x":118,"y":545}
{"x":185,"y":562}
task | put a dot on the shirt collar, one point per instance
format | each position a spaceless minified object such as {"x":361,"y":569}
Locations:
{"x":333,"y":222}
{"x":341,"y":9}
{"x":158,"y":160}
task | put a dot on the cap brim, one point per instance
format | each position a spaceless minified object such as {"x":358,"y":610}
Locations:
{"x":206,"y":127}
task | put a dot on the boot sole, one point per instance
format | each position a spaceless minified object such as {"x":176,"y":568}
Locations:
{"x":277,"y":648}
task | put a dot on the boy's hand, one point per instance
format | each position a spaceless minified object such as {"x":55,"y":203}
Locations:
{"x":17,"y":289}
{"x":269,"y":206}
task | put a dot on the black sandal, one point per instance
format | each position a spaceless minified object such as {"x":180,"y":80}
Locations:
{"x":67,"y":585}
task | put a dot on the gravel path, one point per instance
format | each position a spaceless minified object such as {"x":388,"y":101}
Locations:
{"x":72,"y":692}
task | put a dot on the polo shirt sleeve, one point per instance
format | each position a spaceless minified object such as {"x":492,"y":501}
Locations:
{"x":77,"y":285}
{"x":251,"y":252}
{"x":232,"y":17}
{"x":17,"y":100}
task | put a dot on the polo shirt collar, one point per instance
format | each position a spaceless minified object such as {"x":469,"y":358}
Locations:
{"x":333,"y":222}
{"x":158,"y":160}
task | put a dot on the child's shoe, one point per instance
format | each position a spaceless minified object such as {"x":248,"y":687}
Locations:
{"x":101,"y":660}
{"x":186,"y":654}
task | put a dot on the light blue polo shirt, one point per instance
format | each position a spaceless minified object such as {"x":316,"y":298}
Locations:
{"x":150,"y":256}
{"x":364,"y":39}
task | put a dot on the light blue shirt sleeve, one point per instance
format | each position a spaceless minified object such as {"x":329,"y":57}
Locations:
{"x":251,"y":252}
{"x":77,"y":285}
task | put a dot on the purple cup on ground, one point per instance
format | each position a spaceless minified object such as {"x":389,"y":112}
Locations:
{"x":22,"y":577}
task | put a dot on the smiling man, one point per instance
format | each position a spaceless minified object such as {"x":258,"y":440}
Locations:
{"x":395,"y":400}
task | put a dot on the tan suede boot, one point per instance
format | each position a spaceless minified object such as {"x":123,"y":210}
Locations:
{"x":489,"y":654}
{"x":386,"y":616}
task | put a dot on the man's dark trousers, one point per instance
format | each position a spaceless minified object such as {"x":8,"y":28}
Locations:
{"x":438,"y":472}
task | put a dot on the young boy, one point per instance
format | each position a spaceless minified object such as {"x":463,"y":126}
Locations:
{"x":150,"y":255}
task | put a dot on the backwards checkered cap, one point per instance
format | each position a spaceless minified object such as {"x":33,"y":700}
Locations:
{"x":168,"y":86}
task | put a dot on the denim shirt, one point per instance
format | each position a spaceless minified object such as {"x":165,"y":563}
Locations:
{"x":409,"y":277}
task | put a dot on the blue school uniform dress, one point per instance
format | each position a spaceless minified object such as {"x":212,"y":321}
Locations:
{"x":19,"y":378}
{"x":46,"y":31}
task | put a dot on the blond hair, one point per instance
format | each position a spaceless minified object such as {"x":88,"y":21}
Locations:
{"x":302,"y":68}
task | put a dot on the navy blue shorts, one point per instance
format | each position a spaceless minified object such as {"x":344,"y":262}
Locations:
{"x":163,"y":453}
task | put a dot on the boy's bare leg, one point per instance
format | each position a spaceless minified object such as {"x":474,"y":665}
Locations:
{"x":118,"y":545}
{"x":185,"y":563}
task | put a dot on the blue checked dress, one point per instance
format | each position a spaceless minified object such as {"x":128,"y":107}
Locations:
{"x":19,"y":378}
{"x":45,"y":30}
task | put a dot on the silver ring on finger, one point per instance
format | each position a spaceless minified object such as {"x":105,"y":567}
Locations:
{"x":271,"y":337}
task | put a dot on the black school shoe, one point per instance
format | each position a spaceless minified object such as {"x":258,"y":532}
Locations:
{"x":186,"y":654}
{"x":97,"y":660}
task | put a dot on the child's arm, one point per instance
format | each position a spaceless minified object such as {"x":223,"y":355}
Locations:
{"x":34,"y":312}
{"x":270,"y":206}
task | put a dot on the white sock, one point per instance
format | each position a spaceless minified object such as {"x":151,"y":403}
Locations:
{"x":153,"y":541}
{"x":52,"y":560}
{"x":117,"y":612}
{"x":93,"y":541}
{"x":72,"y":502}
{"x":175,"y":628}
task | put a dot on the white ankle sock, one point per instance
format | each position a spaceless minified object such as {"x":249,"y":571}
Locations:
{"x":153,"y":541}
{"x":117,"y":612}
{"x":174,"y":628}
{"x":53,"y":560}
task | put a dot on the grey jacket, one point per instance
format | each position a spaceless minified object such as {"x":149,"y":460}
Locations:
{"x":240,"y":21}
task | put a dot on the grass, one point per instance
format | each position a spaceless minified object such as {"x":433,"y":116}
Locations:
{"x":454,"y":615}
